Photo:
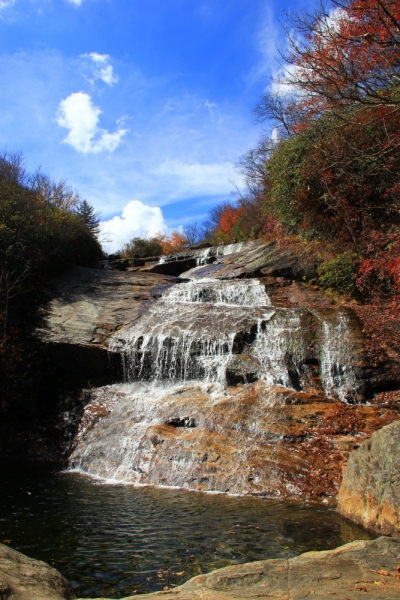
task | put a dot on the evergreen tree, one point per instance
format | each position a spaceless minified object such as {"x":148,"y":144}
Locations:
{"x":90,"y":218}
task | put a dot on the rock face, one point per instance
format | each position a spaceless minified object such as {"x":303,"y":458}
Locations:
{"x":224,"y":391}
{"x":249,"y":439}
{"x":86,"y":307}
{"x":367,"y":569}
{"x":248,"y":259}
{"x":22,"y":578}
{"x":370,"y":490}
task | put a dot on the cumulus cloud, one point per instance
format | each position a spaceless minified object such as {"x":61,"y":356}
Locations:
{"x":76,"y":2}
{"x":102,"y":68}
{"x":137,"y":220}
{"x":78,"y":114}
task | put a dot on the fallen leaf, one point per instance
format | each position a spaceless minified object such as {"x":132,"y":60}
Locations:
{"x":180,"y":573}
{"x":383,"y":572}
{"x":165,"y":588}
{"x":361,"y":588}
{"x":378,"y":582}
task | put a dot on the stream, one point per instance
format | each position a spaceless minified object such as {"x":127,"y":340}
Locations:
{"x":114,"y":540}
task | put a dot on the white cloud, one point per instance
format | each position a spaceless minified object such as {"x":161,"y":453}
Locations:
{"x":76,"y":2}
{"x":6,"y":3}
{"x":78,"y":114}
{"x":102,"y":69}
{"x":137,"y":220}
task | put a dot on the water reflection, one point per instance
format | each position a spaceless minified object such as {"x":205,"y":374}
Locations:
{"x":111,"y":540}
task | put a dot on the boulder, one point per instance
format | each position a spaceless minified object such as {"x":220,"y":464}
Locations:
{"x":370,"y":491}
{"x":260,"y":259}
{"x":23,"y":578}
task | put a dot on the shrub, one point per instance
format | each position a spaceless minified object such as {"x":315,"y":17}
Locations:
{"x":140,"y":247}
{"x":339,"y":273}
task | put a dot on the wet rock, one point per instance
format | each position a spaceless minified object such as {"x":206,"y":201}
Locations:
{"x":359,"y":569}
{"x":23,"y":578}
{"x":174,"y":267}
{"x":243,"y":368}
{"x":258,"y":439}
{"x":260,"y":259}
{"x":370,"y":490}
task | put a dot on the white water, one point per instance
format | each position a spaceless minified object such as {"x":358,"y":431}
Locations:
{"x":190,"y":332}
{"x":154,"y":428}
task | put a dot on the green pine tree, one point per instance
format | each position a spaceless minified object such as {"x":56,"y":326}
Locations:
{"x":90,"y":218}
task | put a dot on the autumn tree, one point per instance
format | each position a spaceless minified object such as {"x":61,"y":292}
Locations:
{"x":334,"y":172}
{"x":344,"y":57}
{"x":174,"y":243}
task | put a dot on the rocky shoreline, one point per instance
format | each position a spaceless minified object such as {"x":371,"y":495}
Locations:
{"x":367,"y":568}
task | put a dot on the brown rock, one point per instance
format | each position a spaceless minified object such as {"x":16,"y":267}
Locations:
{"x":370,"y":490}
{"x":23,"y":578}
{"x":251,"y":439}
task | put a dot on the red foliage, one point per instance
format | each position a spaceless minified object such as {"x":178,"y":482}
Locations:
{"x":350,"y":56}
{"x":229,"y":218}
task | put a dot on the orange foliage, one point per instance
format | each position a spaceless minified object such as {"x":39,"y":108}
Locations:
{"x":173,"y":244}
{"x":227,"y":221}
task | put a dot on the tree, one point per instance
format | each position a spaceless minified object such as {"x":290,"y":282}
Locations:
{"x":37,"y":237}
{"x":141,"y":247}
{"x":192,"y":233}
{"x":172,"y":244}
{"x":90,"y":218}
{"x":346,"y":57}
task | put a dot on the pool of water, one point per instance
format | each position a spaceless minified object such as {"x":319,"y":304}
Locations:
{"x":114,"y":540}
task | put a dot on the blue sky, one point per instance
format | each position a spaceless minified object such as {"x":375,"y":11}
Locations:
{"x":143,"y":106}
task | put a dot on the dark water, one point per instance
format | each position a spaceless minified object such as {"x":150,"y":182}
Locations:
{"x":111,"y":540}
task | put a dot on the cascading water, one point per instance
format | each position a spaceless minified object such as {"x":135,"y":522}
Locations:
{"x":175,"y":421}
{"x":189,"y":334}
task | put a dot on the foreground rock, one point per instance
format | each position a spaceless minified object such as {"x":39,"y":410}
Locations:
{"x":22,"y":578}
{"x":370,"y":490}
{"x":367,"y":569}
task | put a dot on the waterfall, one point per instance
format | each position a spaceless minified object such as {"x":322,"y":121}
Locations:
{"x":229,"y":249}
{"x":337,"y":355}
{"x":190,"y":332}
{"x":175,"y":421}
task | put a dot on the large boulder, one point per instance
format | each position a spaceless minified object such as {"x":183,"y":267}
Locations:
{"x":370,"y":490}
{"x":23,"y":578}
